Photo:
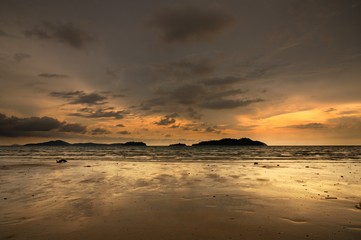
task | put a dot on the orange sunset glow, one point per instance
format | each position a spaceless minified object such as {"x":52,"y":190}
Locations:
{"x":287,"y":73}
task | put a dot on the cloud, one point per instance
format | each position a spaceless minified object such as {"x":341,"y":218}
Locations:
{"x":120,"y":125}
{"x":99,"y":113}
{"x":190,"y":66}
{"x":213,"y":129}
{"x":349,"y":123}
{"x":167,"y":120}
{"x":330,"y":110}
{"x":80,"y":97}
{"x":35,"y":126}
{"x":73,"y":127}
{"x":18,"y":57}
{"x":66,"y":95}
{"x":52,"y":75}
{"x":99,"y":131}
{"x":68,"y":34}
{"x":89,"y":99}
{"x":195,"y":127}
{"x":308,"y":126}
{"x":349,"y":112}
{"x":191,"y":23}
{"x":229,"y":103}
{"x":188,"y":94}
{"x":246,"y":127}
{"x":124,"y":132}
{"x":222,"y":81}
{"x":189,"y":99}
{"x":226,"y":93}
{"x":3,"y":33}
{"x":192,"y":113}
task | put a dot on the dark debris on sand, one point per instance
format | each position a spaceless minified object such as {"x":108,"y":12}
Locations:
{"x":61,"y":161}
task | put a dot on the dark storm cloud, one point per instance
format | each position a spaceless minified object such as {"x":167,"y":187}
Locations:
{"x":28,"y":124}
{"x":191,"y":23}
{"x":120,"y":125}
{"x":99,"y":131}
{"x":308,"y":126}
{"x":167,"y":120}
{"x":35,"y":126}
{"x":80,"y":97}
{"x":52,"y":75}
{"x":68,"y":34}
{"x":18,"y":57}
{"x":99,"y":113}
{"x":229,"y":103}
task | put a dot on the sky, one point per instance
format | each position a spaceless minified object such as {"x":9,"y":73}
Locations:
{"x":285,"y":72}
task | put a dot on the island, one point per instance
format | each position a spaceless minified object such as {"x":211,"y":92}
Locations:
{"x":49,"y":143}
{"x":136,"y":144}
{"x":178,"y":145}
{"x":230,"y":142}
{"x":221,"y":142}
{"x":60,"y":143}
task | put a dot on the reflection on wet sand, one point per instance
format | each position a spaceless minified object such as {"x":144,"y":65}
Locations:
{"x":194,"y":200}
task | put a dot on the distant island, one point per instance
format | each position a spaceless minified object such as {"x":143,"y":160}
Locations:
{"x":178,"y":145}
{"x":230,"y":142}
{"x":90,"y":144}
{"x":221,"y":142}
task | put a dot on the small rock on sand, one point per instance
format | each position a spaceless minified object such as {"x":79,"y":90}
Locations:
{"x":61,"y":161}
{"x":330,"y":197}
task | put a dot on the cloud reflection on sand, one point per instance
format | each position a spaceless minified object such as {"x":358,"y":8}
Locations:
{"x":153,"y":200}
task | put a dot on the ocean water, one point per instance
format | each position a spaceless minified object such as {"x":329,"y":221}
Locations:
{"x":182,"y":154}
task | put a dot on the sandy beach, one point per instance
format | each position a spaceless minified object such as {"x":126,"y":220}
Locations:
{"x":181,"y":200}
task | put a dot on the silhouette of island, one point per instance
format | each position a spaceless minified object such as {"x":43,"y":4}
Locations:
{"x":230,"y":142}
{"x":178,"y":145}
{"x":221,"y":142}
{"x":89,"y":144}
{"x":49,"y":143}
{"x":140,"y":144}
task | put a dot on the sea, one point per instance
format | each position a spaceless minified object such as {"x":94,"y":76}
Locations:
{"x":21,"y":154}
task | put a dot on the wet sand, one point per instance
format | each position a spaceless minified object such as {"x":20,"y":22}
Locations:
{"x":180,"y":200}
